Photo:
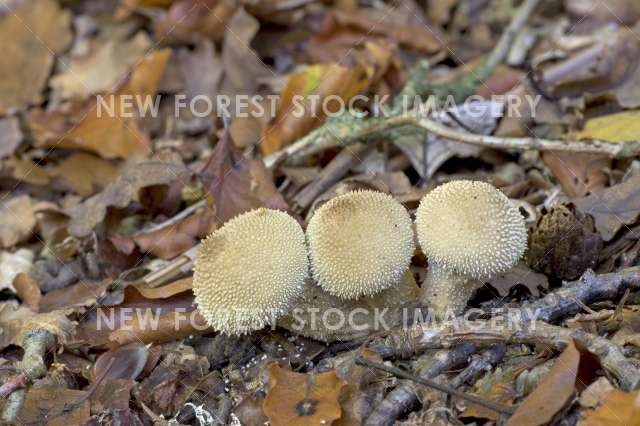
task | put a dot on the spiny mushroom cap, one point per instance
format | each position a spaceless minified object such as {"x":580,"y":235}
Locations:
{"x":249,"y":272}
{"x":360,"y":243}
{"x":470,"y":228}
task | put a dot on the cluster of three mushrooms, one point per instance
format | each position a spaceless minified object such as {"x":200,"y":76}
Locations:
{"x":254,"y":270}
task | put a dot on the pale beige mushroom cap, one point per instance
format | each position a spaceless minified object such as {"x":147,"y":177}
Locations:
{"x":360,"y":243}
{"x":470,"y":228}
{"x":250,"y":271}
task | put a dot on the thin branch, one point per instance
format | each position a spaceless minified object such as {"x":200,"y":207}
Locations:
{"x":499,"y":408}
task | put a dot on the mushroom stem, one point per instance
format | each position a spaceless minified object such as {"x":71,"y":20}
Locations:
{"x":446,"y":293}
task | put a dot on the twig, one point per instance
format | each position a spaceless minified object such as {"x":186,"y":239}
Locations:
{"x":404,"y":398}
{"x":350,"y":129}
{"x":514,"y":330}
{"x":499,"y":408}
{"x":572,"y":297}
{"x":332,"y":173}
{"x":14,"y":383}
{"x":481,"y":364}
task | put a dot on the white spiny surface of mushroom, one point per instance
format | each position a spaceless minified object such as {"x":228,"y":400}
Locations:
{"x":248,"y":272}
{"x":470,"y":228}
{"x":360,"y":243}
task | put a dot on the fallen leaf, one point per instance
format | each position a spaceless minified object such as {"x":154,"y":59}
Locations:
{"x":237,"y":184}
{"x":243,"y":68}
{"x":302,"y":399}
{"x":102,"y":67}
{"x":27,"y":290}
{"x":520,"y":274}
{"x":17,"y":220}
{"x":619,"y":127}
{"x":160,"y":170}
{"x":574,"y":370}
{"x":176,"y":238}
{"x":173,"y":380}
{"x":616,"y":408}
{"x":478,"y":117}
{"x":343,"y":31}
{"x":192,"y":20}
{"x":10,"y":136}
{"x":55,"y":406}
{"x":84,"y":173}
{"x":32,"y":35}
{"x":579,"y":174}
{"x":124,"y":362}
{"x":12,"y":264}
{"x":108,"y":125}
{"x":614,"y":207}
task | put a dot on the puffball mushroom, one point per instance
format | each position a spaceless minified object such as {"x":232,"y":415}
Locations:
{"x":360,"y":243}
{"x":469,"y":231}
{"x":250,"y":271}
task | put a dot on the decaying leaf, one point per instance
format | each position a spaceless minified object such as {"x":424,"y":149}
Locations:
{"x":32,"y":34}
{"x":302,"y":399}
{"x":102,"y":67}
{"x":343,"y":31}
{"x":614,"y":207}
{"x":519,"y":275}
{"x":238,"y":184}
{"x":616,"y":408}
{"x":55,"y":406}
{"x":573,"y":370}
{"x":106,"y":125}
{"x":10,"y":135}
{"x":428,"y":153}
{"x":17,"y":220}
{"x":579,"y":174}
{"x":160,"y":170}
{"x":169,"y":241}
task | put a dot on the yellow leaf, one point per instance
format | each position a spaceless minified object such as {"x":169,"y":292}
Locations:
{"x":621,"y":127}
{"x":617,"y":408}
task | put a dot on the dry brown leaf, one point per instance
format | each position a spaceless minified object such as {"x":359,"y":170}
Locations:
{"x":243,"y":68}
{"x":102,"y":68}
{"x":295,"y":399}
{"x":579,"y":174}
{"x":55,"y":406}
{"x":28,"y":290}
{"x":84,"y":173}
{"x":617,"y":408}
{"x":343,"y":31}
{"x":10,"y":136}
{"x":574,"y":370}
{"x":520,"y":274}
{"x":238,"y":184}
{"x":191,"y":20}
{"x":32,"y":34}
{"x":162,"y":169}
{"x":17,"y":220}
{"x":614,"y":207}
{"x":174,"y":239}
{"x":106,"y":131}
